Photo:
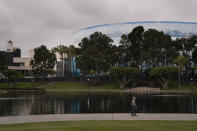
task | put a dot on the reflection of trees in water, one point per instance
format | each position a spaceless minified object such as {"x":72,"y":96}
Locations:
{"x":93,"y":102}
{"x":6,"y":107}
{"x":166,"y":104}
{"x":41,"y":103}
{"x":193,"y":104}
{"x":108,"y":103}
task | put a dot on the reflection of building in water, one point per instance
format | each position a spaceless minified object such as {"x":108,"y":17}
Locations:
{"x":195,"y":104}
{"x":96,"y":104}
{"x":21,"y":106}
{"x":75,"y":107}
{"x":88,"y":103}
{"x":55,"y":105}
{"x":104,"y":105}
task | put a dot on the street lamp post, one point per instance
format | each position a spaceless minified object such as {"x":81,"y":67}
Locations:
{"x":192,"y":101}
{"x":88,"y":94}
{"x":88,"y":84}
{"x":33,"y":82}
{"x":191,"y":82}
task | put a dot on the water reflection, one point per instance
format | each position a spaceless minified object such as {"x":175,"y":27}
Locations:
{"x":26,"y":103}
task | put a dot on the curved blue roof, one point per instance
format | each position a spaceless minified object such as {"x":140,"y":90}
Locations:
{"x":138,"y":22}
{"x":175,"y":29}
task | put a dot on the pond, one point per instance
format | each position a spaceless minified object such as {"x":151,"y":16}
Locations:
{"x":33,"y":103}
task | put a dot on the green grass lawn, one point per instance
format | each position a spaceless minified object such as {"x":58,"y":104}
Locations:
{"x":20,"y":84}
{"x":108,"y":86}
{"x":184,"y":86}
{"x":77,"y":85}
{"x":104,"y":126}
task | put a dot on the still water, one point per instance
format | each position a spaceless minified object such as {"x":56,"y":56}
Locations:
{"x":32,"y":103}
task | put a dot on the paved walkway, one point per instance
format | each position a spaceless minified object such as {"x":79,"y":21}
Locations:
{"x":107,"y":116}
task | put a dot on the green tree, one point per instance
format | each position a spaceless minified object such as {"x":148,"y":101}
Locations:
{"x":122,"y":52}
{"x":136,"y":42}
{"x":131,"y":46}
{"x":167,"y":49}
{"x":194,"y":56}
{"x":95,"y":53}
{"x":188,"y":45}
{"x":164,"y":74}
{"x":181,"y":61}
{"x":123,"y":74}
{"x":194,"y":60}
{"x":158,"y":48}
{"x":11,"y":75}
{"x":2,"y":62}
{"x":43,"y":61}
{"x":151,"y":47}
{"x":62,"y":50}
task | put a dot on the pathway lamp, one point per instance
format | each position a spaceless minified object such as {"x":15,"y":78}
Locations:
{"x":192,"y":101}
{"x":191,"y":82}
{"x":33,"y":82}
{"x":88,"y":94}
{"x":88,"y":83}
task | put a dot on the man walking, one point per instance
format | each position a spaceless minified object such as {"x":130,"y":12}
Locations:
{"x":133,"y":106}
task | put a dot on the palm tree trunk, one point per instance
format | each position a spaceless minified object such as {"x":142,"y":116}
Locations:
{"x":179,"y":77}
{"x":71,"y":66}
{"x":62,"y":55}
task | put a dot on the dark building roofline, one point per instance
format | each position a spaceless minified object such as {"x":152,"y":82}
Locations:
{"x":10,"y":41}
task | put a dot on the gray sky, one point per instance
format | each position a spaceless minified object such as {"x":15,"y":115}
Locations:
{"x":30,"y":23}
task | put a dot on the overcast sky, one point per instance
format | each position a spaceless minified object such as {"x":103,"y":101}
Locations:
{"x":30,"y":23}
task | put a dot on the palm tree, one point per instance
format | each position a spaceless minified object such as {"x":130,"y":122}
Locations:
{"x":70,"y":54}
{"x":62,"y":50}
{"x":181,"y":61}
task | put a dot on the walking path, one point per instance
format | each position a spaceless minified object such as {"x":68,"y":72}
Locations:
{"x":106,"y":116}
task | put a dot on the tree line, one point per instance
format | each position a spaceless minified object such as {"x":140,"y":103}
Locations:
{"x":141,"y":52}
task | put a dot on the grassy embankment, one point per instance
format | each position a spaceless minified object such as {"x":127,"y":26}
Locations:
{"x":21,"y":85}
{"x":104,"y":126}
{"x":109,"y":86}
{"x":77,"y":85}
{"x":184,"y":86}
